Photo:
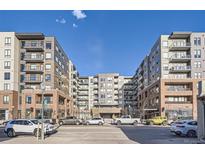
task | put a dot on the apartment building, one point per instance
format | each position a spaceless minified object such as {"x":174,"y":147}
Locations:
{"x":166,"y":81}
{"x":31,"y":62}
{"x":104,"y":95}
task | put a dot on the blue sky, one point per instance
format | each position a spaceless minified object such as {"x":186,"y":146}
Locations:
{"x":104,"y":41}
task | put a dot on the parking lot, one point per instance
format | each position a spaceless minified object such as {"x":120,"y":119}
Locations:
{"x":107,"y":134}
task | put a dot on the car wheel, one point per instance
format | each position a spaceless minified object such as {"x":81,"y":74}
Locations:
{"x":87,"y":123}
{"x":11,"y":133}
{"x":61,"y":123}
{"x":118,"y":123}
{"x":191,"y":133}
{"x":135,"y":123}
{"x":37,"y":133}
{"x":77,"y":123}
{"x":164,"y":123}
{"x":100,"y":123}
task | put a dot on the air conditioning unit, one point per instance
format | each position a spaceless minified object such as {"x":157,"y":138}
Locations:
{"x":201,"y":88}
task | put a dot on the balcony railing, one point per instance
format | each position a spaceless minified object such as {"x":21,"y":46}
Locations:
{"x":34,"y":69}
{"x":34,"y":80}
{"x":178,"y":89}
{"x":37,"y":57}
{"x":180,"y":46}
{"x":35,"y":45}
{"x":180,"y":69}
{"x":180,"y":58}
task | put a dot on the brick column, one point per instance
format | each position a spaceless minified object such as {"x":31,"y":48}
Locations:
{"x":162,"y":97}
{"x":194,"y":99}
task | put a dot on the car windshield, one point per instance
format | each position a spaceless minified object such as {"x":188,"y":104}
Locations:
{"x":35,"y":121}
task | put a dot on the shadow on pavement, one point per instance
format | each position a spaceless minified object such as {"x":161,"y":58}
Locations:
{"x":153,"y":135}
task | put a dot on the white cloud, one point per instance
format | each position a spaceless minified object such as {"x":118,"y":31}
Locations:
{"x":79,"y":14}
{"x":61,"y":20}
{"x":75,"y":26}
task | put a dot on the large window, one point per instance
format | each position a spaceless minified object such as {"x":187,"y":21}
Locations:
{"x":5,"y":99}
{"x":197,"y":53}
{"x":7,"y":65}
{"x":48,"y":56}
{"x":48,"y":45}
{"x":197,"y":75}
{"x":7,"y":40}
{"x":197,"y":64}
{"x":28,"y":99}
{"x":7,"y":76}
{"x":197,"y":41}
{"x":48,"y":77}
{"x":48,"y":66}
{"x":33,"y":77}
{"x":7,"y":53}
{"x":6,"y":86}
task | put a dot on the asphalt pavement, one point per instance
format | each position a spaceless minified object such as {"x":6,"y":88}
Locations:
{"x":108,"y":134}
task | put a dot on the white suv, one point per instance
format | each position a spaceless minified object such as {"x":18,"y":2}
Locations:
{"x":24,"y":126}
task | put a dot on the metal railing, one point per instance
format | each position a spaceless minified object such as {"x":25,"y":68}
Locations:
{"x":36,"y":45}
{"x":180,"y":68}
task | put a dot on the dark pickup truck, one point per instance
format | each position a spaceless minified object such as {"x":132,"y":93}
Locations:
{"x":70,"y":121}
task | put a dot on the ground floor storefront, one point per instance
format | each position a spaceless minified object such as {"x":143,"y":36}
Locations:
{"x":106,"y":112}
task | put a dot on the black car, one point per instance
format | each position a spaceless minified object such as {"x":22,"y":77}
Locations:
{"x":70,"y":121}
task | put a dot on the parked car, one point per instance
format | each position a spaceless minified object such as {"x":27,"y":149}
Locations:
{"x":70,"y":121}
{"x":126,"y":119}
{"x":25,"y":126}
{"x":95,"y":121}
{"x":185,"y":128}
{"x":158,"y":120}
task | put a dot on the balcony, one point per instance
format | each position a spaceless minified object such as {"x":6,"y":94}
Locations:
{"x":178,"y":89}
{"x":180,"y":46}
{"x":33,"y":45}
{"x":37,"y":69}
{"x":180,"y":58}
{"x":34,"y":58}
{"x":180,"y":69}
{"x":33,"y":80}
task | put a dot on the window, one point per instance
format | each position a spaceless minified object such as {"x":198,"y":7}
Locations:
{"x":5,"y":99}
{"x":6,"y":86}
{"x":197,"y":75}
{"x":48,"y":66}
{"x":197,"y":53}
{"x":7,"y":53}
{"x":33,"y":43}
{"x":164,"y":43}
{"x":7,"y":65}
{"x":7,"y":76}
{"x":28,"y":99}
{"x":48,"y":55}
{"x":33,"y":67}
{"x":48,"y":77}
{"x":197,"y":64}
{"x":56,"y":59}
{"x":33,"y":77}
{"x":197,"y":41}
{"x":48,"y":45}
{"x":7,"y":40}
